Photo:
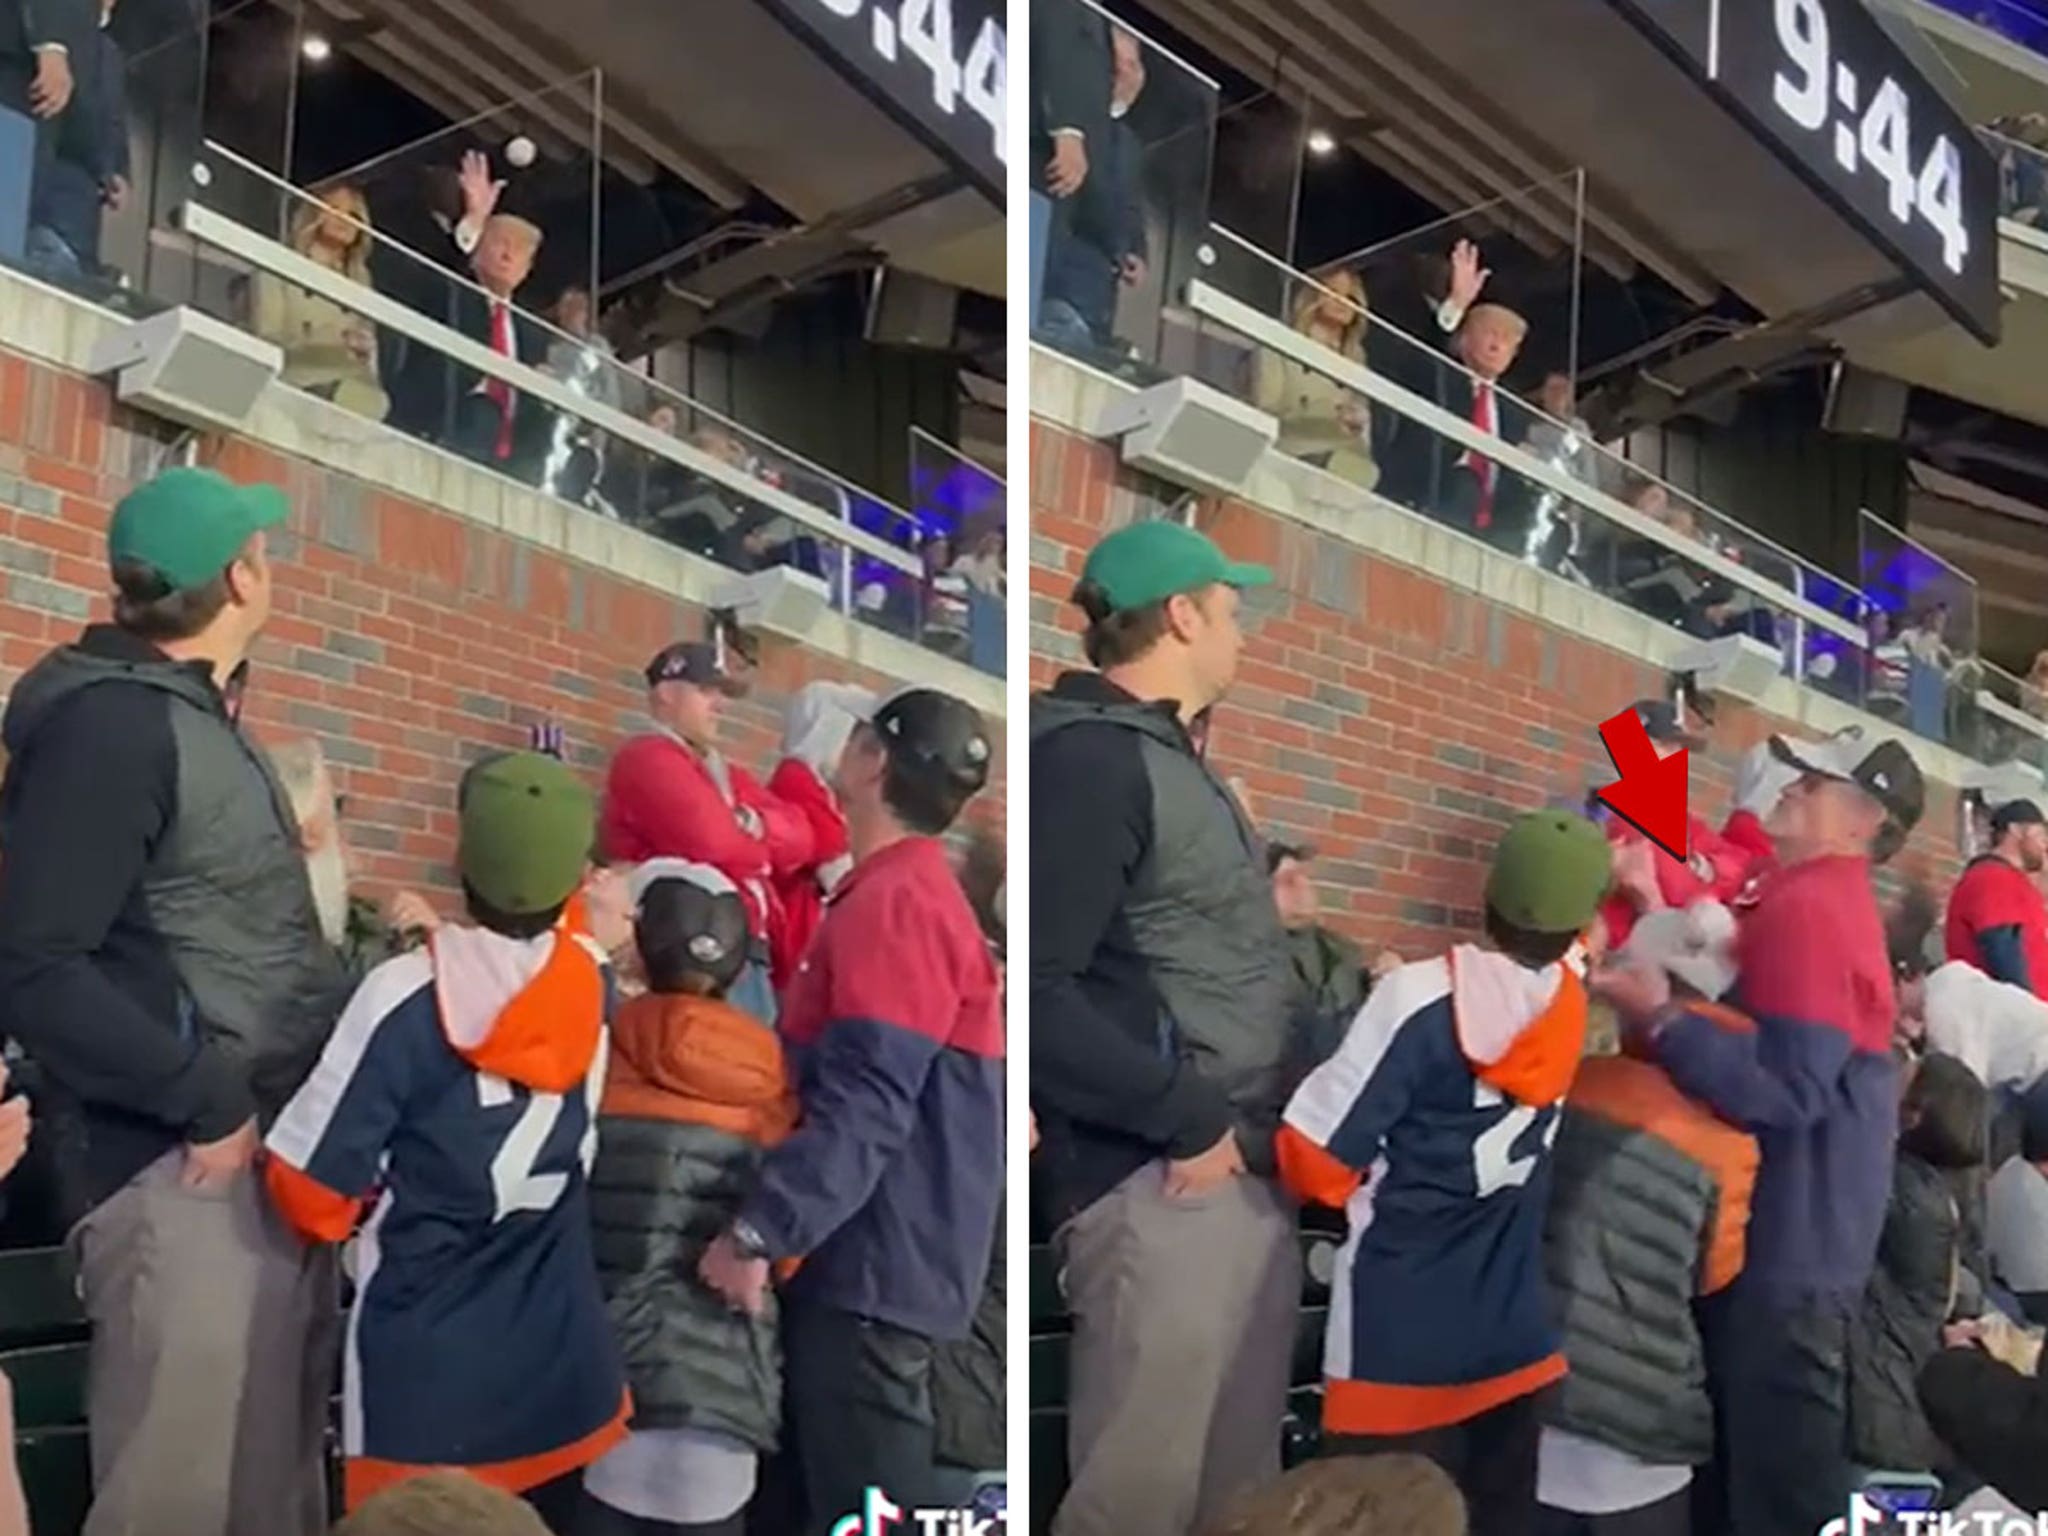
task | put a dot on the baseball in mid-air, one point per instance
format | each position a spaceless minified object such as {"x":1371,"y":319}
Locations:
{"x":520,"y":152}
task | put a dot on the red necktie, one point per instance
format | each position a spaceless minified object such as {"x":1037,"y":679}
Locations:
{"x":497,"y":389}
{"x":1479,"y":463}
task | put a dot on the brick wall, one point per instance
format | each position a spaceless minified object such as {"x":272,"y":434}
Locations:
{"x":409,"y":640}
{"x":1382,"y":715}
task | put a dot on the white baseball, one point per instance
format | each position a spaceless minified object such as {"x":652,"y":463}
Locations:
{"x":520,"y":152}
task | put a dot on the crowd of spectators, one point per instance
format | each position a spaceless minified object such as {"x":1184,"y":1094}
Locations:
{"x":1703,"y":1194}
{"x":663,"y":1175}
{"x":443,"y":241}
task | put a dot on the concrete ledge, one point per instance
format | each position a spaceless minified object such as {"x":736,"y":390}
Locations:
{"x":1071,"y":396}
{"x":54,"y":327}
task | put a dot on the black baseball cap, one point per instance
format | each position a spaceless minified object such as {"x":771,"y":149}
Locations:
{"x":1661,"y":722}
{"x":701,"y":662}
{"x":938,"y":731}
{"x":1882,"y":769}
{"x":689,"y":921}
{"x":2016,"y":813}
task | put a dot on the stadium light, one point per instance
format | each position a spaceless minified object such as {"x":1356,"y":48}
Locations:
{"x":1321,"y":142}
{"x":316,"y":49}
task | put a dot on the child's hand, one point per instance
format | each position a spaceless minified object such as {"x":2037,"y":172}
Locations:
{"x":609,"y":901}
{"x":741,"y":1281}
{"x":1635,"y":992}
{"x":410,"y":912}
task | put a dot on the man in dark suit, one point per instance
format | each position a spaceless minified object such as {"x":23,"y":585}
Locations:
{"x":483,"y":417}
{"x":1097,"y":241}
{"x":428,"y":228}
{"x":1433,"y":474}
{"x":1070,"y":93}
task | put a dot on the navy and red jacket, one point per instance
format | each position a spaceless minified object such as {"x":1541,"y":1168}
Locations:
{"x":889,"y":1189}
{"x":1998,"y":922}
{"x":1803,"y":1060}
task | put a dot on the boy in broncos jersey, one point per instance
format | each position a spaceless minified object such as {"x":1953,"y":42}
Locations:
{"x":454,"y":1104}
{"x":1432,"y":1128}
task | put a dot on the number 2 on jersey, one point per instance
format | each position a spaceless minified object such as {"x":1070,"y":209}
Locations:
{"x":1494,"y":1164}
{"x":515,"y":1184}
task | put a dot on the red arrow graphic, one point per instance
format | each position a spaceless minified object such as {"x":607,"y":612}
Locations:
{"x":1651,"y":796}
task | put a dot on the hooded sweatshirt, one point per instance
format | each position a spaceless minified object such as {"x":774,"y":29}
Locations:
{"x":821,"y":719}
{"x":456,"y":1105}
{"x":1432,"y":1128}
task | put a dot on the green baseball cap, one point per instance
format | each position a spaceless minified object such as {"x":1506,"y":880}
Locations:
{"x":528,"y":826}
{"x":189,"y":524}
{"x":1149,"y":562}
{"x":1550,"y":872}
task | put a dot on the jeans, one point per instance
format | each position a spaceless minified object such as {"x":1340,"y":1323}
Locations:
{"x":1779,"y":1375}
{"x":50,"y":256}
{"x":1061,"y":325}
{"x":859,"y":1402}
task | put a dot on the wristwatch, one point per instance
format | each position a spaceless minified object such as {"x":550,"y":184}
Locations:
{"x":747,"y":1240}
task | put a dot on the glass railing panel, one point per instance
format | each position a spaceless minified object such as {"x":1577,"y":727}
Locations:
{"x":1921,"y":614}
{"x":2003,"y":719}
{"x":480,"y":376}
{"x":1117,"y":221}
{"x":1587,"y":520}
{"x":962,"y":506}
{"x":1640,"y":553}
{"x":2020,"y":145}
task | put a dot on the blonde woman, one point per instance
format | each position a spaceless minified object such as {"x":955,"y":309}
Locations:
{"x":1321,"y":421}
{"x":2034,"y":690}
{"x":328,"y":351}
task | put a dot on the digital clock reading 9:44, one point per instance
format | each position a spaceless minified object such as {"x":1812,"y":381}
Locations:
{"x":1870,"y":127}
{"x":964,"y":74}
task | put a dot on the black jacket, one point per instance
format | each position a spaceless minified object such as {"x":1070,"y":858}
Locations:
{"x":696,"y":1092}
{"x":1160,"y":984}
{"x":160,"y":955}
{"x":1649,"y":1210}
{"x":1993,"y":1418}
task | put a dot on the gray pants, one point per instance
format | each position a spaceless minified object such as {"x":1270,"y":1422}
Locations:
{"x":1184,"y":1318}
{"x":214,"y":1334}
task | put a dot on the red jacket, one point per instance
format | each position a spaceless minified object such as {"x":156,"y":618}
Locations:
{"x":1715,"y":872}
{"x":800,"y":890}
{"x":1745,"y":830}
{"x":661,"y":802}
